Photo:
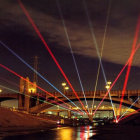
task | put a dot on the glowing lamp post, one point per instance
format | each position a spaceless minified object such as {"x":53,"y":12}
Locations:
{"x":63,"y":84}
{"x":31,"y":90}
{"x":0,"y":90}
{"x":65,"y":88}
{"x":108,"y":85}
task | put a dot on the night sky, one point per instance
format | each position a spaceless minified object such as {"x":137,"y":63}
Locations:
{"x":19,"y":35}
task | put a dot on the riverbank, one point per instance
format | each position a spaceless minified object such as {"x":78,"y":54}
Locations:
{"x":59,"y":133}
{"x":13,"y":122}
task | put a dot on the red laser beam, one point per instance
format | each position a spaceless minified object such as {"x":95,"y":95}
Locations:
{"x":129,"y":115}
{"x":50,"y":52}
{"x":33,"y":84}
{"x":117,"y":78}
{"x":130,"y":63}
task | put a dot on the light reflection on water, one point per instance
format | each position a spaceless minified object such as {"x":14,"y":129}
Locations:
{"x":59,"y":133}
{"x":79,"y":133}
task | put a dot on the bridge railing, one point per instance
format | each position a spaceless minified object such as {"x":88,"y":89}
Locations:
{"x":8,"y":95}
{"x":116,"y":93}
{"x":101,"y":93}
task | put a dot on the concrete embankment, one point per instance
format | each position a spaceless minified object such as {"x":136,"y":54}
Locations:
{"x":14,"y":122}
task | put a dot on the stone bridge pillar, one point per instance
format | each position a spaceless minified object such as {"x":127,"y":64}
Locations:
{"x":27,"y":96}
{"x":58,"y":113}
{"x":90,"y":115}
{"x":69,"y":114}
{"x":26,"y":89}
{"x":21,"y":96}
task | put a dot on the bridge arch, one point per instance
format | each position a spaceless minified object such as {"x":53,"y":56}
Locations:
{"x":45,"y":106}
{"x":8,"y":96}
{"x":107,"y":99}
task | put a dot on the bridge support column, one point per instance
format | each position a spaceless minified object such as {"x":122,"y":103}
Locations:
{"x":27,"y":96}
{"x":37,"y":101}
{"x":90,"y":118}
{"x":27,"y":103}
{"x":20,"y":102}
{"x":58,"y":113}
{"x":69,"y":114}
{"x":21,"y":96}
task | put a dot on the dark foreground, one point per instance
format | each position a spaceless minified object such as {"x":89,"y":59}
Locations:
{"x":117,"y":132}
{"x":109,"y":132}
{"x":59,"y":133}
{"x":19,"y":126}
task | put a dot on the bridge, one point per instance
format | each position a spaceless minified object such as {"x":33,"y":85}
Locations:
{"x":31,"y":101}
{"x":115,"y":94}
{"x":8,"y":96}
{"x":35,"y":107}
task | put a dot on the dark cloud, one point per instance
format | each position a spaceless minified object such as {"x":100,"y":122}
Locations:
{"x":16,"y":31}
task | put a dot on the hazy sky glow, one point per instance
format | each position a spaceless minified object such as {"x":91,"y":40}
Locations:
{"x":18,"y":34}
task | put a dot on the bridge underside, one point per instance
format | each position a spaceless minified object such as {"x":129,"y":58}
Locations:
{"x":114,"y":100}
{"x":128,"y":100}
{"x":7,"y":98}
{"x":44,"y":106}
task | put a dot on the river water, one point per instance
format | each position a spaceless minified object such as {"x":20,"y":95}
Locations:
{"x":59,"y":133}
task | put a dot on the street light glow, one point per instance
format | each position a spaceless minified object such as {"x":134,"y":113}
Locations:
{"x":107,"y":86}
{"x":0,"y":90}
{"x":63,"y":84}
{"x":109,"y":83}
{"x":66,"y":88}
{"x":31,"y":90}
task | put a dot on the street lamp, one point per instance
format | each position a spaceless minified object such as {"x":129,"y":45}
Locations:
{"x":0,"y":90}
{"x":63,"y":84}
{"x":31,"y":90}
{"x":65,"y":88}
{"x":108,"y":85}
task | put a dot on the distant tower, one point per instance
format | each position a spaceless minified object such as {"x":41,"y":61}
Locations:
{"x":35,"y":80}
